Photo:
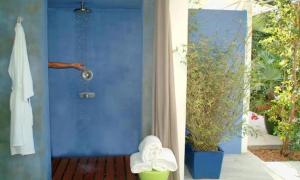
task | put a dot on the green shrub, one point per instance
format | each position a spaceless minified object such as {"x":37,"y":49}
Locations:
{"x":266,"y":69}
{"x":215,"y":94}
{"x":295,"y":136}
{"x":284,"y":42}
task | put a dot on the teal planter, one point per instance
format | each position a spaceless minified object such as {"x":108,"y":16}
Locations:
{"x":204,"y":165}
{"x":154,"y":175}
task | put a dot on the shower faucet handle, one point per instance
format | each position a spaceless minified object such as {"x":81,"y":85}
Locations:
{"x":87,"y":95}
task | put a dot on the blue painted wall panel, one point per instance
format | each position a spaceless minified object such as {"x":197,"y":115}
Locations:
{"x":223,"y":28}
{"x":37,"y":166}
{"x":110,"y":124}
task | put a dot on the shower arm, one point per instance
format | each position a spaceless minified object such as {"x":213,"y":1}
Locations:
{"x":61,"y":65}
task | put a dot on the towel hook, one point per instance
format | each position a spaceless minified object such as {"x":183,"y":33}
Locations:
{"x":19,"y":19}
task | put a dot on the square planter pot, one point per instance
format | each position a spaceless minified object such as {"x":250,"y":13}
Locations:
{"x":204,"y":165}
{"x":154,"y":175}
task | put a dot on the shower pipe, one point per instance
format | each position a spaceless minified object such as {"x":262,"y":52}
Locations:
{"x":86,"y":74}
{"x":61,"y":65}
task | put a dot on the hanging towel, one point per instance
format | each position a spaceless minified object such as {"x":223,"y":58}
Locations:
{"x":150,"y":148}
{"x":137,"y":165}
{"x":166,"y":161}
{"x":21,"y":136}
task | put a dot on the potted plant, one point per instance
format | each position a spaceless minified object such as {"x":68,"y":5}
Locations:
{"x":215,"y":93}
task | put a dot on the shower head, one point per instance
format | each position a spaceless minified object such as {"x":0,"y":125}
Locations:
{"x":82,"y":8}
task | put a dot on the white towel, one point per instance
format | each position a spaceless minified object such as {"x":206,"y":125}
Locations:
{"x":150,"y":148}
{"x":137,"y":165}
{"x":21,"y":137}
{"x":166,"y":161}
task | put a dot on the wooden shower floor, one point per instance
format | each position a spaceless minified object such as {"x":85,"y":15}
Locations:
{"x":94,"y":168}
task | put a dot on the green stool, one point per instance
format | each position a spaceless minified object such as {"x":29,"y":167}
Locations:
{"x":154,"y":175}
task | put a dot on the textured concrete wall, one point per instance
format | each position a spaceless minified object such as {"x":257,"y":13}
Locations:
{"x":31,"y":167}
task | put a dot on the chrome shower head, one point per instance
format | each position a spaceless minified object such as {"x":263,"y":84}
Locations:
{"x":82,"y":8}
{"x":87,"y":74}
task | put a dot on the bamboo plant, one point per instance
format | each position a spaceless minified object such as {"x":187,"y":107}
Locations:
{"x":215,"y":93}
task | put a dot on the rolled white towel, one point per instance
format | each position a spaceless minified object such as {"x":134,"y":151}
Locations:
{"x":166,"y":161}
{"x":150,"y":148}
{"x":137,"y":165}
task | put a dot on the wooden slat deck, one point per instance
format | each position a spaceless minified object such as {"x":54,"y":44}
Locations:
{"x":92,"y":168}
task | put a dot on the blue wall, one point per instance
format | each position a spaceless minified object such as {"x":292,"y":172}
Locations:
{"x":222,"y":28}
{"x":98,"y":4}
{"x":37,"y":166}
{"x":110,"y":123}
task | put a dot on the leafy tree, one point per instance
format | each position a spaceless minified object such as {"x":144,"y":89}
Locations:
{"x":284,"y":42}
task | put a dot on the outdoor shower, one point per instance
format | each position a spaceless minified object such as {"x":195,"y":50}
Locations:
{"x":95,"y":100}
{"x":82,"y":22}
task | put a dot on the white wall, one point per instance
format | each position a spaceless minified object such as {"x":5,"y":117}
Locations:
{"x":179,"y":23}
{"x":248,"y":64}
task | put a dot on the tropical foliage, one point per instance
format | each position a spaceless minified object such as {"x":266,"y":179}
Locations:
{"x":266,"y":71}
{"x":283,"y":41}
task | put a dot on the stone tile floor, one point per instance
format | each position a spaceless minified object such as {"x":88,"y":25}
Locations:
{"x":249,"y":167}
{"x":289,"y":170}
{"x":241,"y":167}
{"x":263,"y":138}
